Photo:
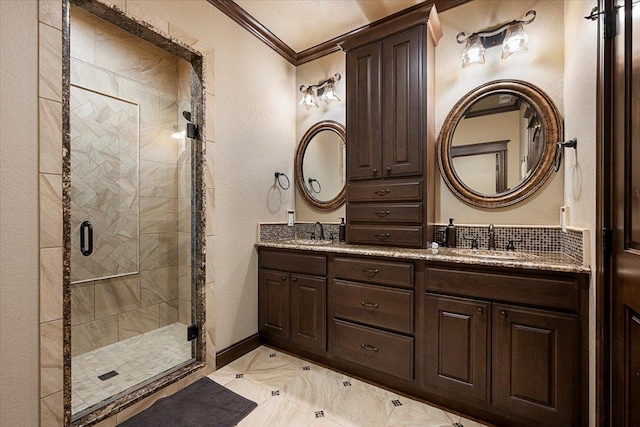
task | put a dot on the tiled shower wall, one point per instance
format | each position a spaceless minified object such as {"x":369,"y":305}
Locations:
{"x":114,"y":63}
{"x":50,"y":89}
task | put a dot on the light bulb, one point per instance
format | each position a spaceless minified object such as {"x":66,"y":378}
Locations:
{"x":473,"y":52}
{"x":515,"y":40}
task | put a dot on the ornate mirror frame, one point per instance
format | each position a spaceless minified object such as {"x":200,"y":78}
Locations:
{"x":337,"y":201}
{"x":552,"y":133}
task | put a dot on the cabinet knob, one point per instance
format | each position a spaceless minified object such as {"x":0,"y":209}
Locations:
{"x":375,"y":171}
{"x":368,"y":347}
{"x":369,"y":305}
{"x":503,"y":314}
{"x":388,"y":169}
{"x":294,"y":279}
{"x":480,"y":311}
{"x":370,"y":271}
{"x":284,"y":277}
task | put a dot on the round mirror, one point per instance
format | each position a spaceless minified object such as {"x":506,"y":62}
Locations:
{"x":321,"y":165}
{"x":497,"y":144}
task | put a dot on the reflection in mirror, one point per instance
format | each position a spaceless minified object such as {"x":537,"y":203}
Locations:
{"x":496,"y":145}
{"x":320,"y":165}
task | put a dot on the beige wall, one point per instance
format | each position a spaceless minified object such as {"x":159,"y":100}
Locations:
{"x":251,"y":133}
{"x":307,"y":74}
{"x":19,"y":360}
{"x":581,"y":41}
{"x":542,"y":65}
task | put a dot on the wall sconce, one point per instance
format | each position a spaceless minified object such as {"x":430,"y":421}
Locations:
{"x":325,"y":90}
{"x":511,"y":35}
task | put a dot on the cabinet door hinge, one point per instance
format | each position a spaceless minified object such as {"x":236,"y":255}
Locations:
{"x":192,"y":332}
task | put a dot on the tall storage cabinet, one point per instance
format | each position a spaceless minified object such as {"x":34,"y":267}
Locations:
{"x":390,"y":132}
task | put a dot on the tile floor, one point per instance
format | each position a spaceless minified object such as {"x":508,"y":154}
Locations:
{"x":296,"y":393}
{"x":135,"y":359}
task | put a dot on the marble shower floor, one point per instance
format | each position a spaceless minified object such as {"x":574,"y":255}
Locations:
{"x":136,"y":359}
{"x":291,"y":392}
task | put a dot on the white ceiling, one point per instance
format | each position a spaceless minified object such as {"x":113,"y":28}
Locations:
{"x":302,"y":24}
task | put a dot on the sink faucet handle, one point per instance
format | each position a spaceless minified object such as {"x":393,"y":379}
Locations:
{"x":511,"y":246}
{"x":474,"y":241}
{"x":312,"y":235}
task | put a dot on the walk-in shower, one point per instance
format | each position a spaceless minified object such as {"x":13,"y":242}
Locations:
{"x":132,"y":213}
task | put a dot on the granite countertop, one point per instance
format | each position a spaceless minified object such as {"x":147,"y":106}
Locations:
{"x":551,"y":261}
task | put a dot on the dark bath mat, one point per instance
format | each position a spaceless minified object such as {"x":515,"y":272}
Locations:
{"x":203,"y":403}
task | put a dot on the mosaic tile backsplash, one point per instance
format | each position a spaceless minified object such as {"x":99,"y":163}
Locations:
{"x":526,"y":238}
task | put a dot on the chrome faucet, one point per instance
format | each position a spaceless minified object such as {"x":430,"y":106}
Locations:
{"x":321,"y":237}
{"x":492,"y":238}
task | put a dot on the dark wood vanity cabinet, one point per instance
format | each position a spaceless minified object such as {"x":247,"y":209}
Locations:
{"x":292,"y":299}
{"x":502,"y":344}
{"x":524,"y":362}
{"x":372,"y":313}
{"x":390,"y":154}
{"x":457,"y":347}
{"x":536,"y":364}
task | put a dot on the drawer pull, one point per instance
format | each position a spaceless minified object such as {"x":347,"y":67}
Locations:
{"x":382,"y":236}
{"x":382,"y":192}
{"x":368,"y":347}
{"x":382,"y":213}
{"x":503,"y":314}
{"x":370,"y":271}
{"x":369,"y":305}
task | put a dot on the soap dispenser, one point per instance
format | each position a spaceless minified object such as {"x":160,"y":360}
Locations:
{"x":342,"y":231}
{"x":451,"y":235}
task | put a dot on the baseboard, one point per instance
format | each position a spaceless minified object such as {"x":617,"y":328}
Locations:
{"x":237,"y":350}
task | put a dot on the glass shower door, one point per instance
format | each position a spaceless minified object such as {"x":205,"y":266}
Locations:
{"x":131,"y":215}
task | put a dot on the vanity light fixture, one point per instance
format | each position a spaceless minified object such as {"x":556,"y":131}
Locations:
{"x":511,"y":36}
{"x":326,"y":90}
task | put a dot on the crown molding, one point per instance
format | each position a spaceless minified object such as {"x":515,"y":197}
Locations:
{"x":248,"y":22}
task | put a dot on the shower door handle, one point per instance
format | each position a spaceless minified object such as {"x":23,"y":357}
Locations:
{"x":86,"y":229}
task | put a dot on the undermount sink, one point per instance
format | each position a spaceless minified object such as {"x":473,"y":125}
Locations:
{"x":311,"y":242}
{"x":482,"y":253}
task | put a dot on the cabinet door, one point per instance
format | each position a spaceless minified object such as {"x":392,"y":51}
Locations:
{"x":273,"y":307}
{"x":308,"y":312}
{"x":403,"y":106}
{"x":457,"y":358}
{"x":363,"y":112}
{"x":536,"y":362}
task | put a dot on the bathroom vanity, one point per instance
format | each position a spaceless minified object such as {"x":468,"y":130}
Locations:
{"x":501,"y":339}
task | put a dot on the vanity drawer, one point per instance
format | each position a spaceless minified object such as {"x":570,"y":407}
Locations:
{"x":293,"y":261}
{"x":380,"y":306}
{"x":374,"y":271}
{"x":386,"y":212}
{"x":540,"y":291}
{"x":385,"y":235}
{"x":382,"y":191}
{"x":375,"y":349}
